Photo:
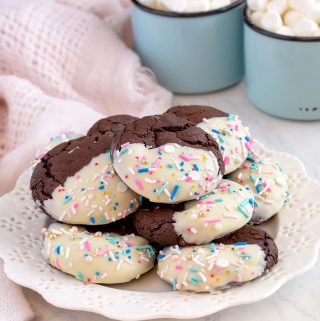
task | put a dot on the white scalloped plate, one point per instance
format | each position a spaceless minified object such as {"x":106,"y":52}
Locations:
{"x":296,"y":231}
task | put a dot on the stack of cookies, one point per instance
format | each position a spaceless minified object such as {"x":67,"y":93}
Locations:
{"x":186,"y":184}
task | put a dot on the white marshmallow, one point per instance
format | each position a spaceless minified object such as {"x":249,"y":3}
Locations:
{"x":279,"y":6}
{"x":216,"y":4}
{"x":305,"y":28}
{"x":256,"y":17}
{"x":292,"y":17}
{"x":173,"y":5}
{"x":286,"y":31}
{"x":257,"y":5}
{"x":197,"y":6}
{"x":271,"y":21}
{"x":301,"y":5}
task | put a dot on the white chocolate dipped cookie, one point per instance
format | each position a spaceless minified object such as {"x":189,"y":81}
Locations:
{"x":167,"y":159}
{"x":105,"y":258}
{"x":210,"y":267}
{"x":75,"y":183}
{"x":220,"y":213}
{"x":269,"y":184}
{"x":225,"y":210}
{"x":234,"y":139}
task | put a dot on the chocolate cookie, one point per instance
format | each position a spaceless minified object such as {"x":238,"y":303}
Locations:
{"x":196,"y":113}
{"x":111,"y":125}
{"x":228,"y":130}
{"x":225,"y":210}
{"x":75,"y":183}
{"x":269,"y":183}
{"x":167,"y":159}
{"x":241,"y":257}
{"x":104,"y":258}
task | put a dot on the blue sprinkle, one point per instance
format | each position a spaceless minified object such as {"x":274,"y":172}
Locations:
{"x":213,"y":247}
{"x":231,"y":117}
{"x":252,"y":178}
{"x":92,"y":220}
{"x":101,"y":187}
{"x":58,"y":248}
{"x":97,"y":273}
{"x":174,"y":284}
{"x":169,"y":165}
{"x":124,"y":150}
{"x":215,"y":131}
{"x":247,"y":138}
{"x":196,"y":167}
{"x":174,"y":192}
{"x":240,"y":243}
{"x":102,"y":219}
{"x":250,"y":159}
{"x":161,"y":256}
{"x":218,"y":200}
{"x":220,"y":138}
{"x":162,"y":188}
{"x":143,"y":170}
{"x":67,"y":199}
{"x":131,"y":205}
{"x":79,"y":276}
{"x":195,"y":280}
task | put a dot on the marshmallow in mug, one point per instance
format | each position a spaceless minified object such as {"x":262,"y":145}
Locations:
{"x":299,"y":18}
{"x":186,"y":6}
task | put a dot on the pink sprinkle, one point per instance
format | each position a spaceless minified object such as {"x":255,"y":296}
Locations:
{"x":78,"y":177}
{"x":139,"y":184}
{"x":124,"y":214}
{"x":213,"y":219}
{"x":239,"y":279}
{"x":236,"y":127}
{"x":109,"y":175}
{"x":75,"y":205}
{"x":184,"y":157}
{"x":129,"y":243}
{"x":125,"y":144}
{"x":56,"y":264}
{"x":210,"y":202}
{"x":248,"y":146}
{"x":200,"y":202}
{"x":189,"y":179}
{"x":104,"y":250}
{"x":226,"y":160}
{"x":87,"y":245}
{"x":246,"y":165}
{"x":179,"y":267}
{"x":236,"y":149}
{"x":157,"y":162}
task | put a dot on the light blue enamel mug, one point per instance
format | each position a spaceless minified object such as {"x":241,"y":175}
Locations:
{"x":282,"y":73}
{"x":191,"y":53}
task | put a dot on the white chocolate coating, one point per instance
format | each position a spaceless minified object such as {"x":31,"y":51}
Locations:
{"x":168,"y":174}
{"x":269,"y":183}
{"x":207,"y":268}
{"x":233,"y":138}
{"x":97,"y":258}
{"x":227,"y":209}
{"x":94,"y":195}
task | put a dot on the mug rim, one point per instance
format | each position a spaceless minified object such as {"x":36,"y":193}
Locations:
{"x":170,"y":14}
{"x":273,"y":34}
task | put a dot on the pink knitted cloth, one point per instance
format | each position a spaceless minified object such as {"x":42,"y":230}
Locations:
{"x":63,"y":65}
